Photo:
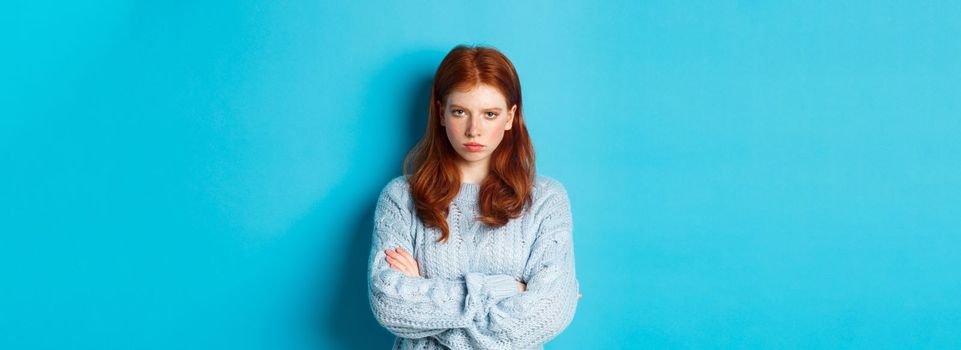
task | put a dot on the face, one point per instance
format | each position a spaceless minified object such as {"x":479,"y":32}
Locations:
{"x":475,"y":120}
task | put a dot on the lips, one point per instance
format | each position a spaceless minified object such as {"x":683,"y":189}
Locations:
{"x":473,"y":146}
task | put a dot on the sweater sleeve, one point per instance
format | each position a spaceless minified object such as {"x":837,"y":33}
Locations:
{"x":539,"y":314}
{"x":416,"y":307}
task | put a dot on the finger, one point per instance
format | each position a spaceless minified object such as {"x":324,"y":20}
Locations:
{"x":396,"y":255}
{"x":401,"y":264}
{"x":404,"y":260}
{"x":402,"y":269}
{"x":391,"y":252}
{"x":393,"y":266}
{"x":407,"y":259}
{"x":395,"y":263}
{"x":396,"y":258}
{"x":401,"y":258}
{"x":414,"y":266}
{"x":405,"y":255}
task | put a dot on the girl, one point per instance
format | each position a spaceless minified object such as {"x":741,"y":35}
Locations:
{"x":471,"y":248}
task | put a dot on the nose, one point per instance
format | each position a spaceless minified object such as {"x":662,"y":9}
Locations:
{"x":473,"y":127}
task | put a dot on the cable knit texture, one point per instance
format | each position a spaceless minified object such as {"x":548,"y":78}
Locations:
{"x":467,"y":295}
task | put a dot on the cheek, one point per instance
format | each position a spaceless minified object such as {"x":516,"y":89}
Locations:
{"x":452,"y":129}
{"x":497,"y":134}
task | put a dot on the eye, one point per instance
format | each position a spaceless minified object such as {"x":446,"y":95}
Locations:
{"x":458,"y":111}
{"x":491,"y":115}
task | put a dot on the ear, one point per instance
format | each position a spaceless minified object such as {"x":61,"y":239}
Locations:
{"x":510,"y":117}
{"x":440,"y":110}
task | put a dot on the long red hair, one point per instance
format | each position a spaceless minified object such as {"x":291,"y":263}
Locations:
{"x":430,"y":166}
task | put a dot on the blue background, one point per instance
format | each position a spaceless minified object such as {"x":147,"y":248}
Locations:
{"x":751,"y":174}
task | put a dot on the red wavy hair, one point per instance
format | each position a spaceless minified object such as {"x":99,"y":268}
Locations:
{"x":430,"y":166}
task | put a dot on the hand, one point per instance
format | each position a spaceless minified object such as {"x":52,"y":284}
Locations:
{"x":402,"y":261}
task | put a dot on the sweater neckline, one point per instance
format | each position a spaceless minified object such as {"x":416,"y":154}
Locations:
{"x":468,"y":193}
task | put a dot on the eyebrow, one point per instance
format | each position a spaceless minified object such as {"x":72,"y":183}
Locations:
{"x":486,"y":109}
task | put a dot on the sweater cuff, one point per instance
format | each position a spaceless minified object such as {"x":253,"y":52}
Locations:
{"x":501,"y":286}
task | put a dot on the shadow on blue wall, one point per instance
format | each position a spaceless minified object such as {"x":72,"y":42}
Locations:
{"x":406,"y":83}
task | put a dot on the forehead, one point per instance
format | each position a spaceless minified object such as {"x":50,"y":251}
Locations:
{"x":480,"y":96}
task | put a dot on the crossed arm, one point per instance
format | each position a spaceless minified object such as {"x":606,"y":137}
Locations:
{"x":477,"y":310}
{"x":501,"y":320}
{"x":400,"y":260}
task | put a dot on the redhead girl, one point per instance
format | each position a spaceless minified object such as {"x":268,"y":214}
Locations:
{"x":471,"y":248}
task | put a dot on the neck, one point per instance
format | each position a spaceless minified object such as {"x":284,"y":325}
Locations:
{"x":474,"y":172}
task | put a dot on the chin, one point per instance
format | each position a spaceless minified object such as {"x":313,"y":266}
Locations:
{"x":473,"y":157}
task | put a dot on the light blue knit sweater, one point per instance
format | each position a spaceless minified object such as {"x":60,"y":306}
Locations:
{"x":467,"y":295}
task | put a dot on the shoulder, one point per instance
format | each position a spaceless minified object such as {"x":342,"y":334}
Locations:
{"x":548,"y":196}
{"x":545,"y":187}
{"x":550,"y":208}
{"x":398,"y":184}
{"x":395,"y":192}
